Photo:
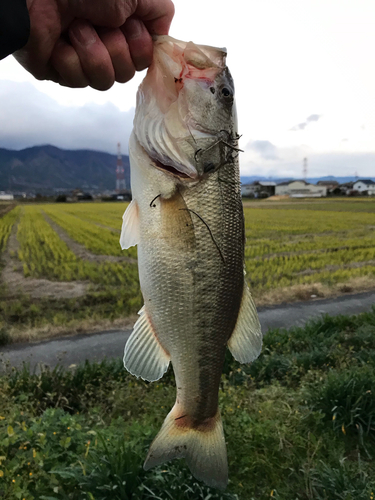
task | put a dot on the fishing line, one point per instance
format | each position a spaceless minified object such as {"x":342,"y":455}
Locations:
{"x":209,"y":230}
{"x":218,"y":142}
{"x":191,"y":133}
{"x":156,"y":197}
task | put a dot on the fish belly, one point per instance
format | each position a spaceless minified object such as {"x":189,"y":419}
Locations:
{"x":191,"y":272}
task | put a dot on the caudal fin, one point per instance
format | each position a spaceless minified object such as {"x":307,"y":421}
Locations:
{"x":203,"y":447}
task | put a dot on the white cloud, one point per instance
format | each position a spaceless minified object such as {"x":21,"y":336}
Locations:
{"x":265,"y":149}
{"x":303,"y":125}
{"x":290,"y":163}
{"x":288,"y":59}
{"x":30,"y":117}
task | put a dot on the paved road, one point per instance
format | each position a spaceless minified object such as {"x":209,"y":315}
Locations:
{"x":69,"y":351}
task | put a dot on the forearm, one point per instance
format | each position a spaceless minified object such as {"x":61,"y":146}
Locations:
{"x":14,"y":26}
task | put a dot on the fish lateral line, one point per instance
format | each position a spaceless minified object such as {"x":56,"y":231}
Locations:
{"x":209,"y":230}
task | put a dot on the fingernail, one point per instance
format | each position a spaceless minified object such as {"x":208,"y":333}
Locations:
{"x":133,"y":28}
{"x":83,"y":32}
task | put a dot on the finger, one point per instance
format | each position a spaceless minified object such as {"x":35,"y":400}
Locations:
{"x":118,"y":50}
{"x":157,"y":16}
{"x":140,"y":43}
{"x":65,"y":61}
{"x":108,"y":13}
{"x":93,"y":55}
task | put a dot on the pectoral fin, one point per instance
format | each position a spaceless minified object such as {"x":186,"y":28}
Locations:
{"x":130,"y":226}
{"x":144,"y":356}
{"x":245,"y":343}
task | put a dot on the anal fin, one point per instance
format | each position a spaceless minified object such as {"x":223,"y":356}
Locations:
{"x":144,"y":356}
{"x":245,"y":342}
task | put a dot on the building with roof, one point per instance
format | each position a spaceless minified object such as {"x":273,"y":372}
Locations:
{"x":364,"y":186}
{"x":330,"y":185}
{"x":258,"y":189}
{"x":345,"y":188}
{"x":300,"y":189}
{"x":6,"y":196}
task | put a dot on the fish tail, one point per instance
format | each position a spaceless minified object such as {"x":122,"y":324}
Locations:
{"x":202,"y":445}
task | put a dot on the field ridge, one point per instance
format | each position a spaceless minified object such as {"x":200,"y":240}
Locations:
{"x":81,"y":251}
{"x":13,"y":277}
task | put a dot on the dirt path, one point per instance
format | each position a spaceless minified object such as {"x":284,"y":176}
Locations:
{"x":4,"y":209}
{"x":80,"y":250}
{"x":109,"y":228}
{"x":71,"y":351}
{"x":16,"y":283}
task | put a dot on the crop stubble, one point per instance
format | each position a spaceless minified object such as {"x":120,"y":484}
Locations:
{"x":293,"y":250}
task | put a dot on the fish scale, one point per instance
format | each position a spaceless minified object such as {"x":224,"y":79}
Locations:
{"x":187,"y":219}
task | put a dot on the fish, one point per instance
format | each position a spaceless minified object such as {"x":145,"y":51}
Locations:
{"x":186,"y":217}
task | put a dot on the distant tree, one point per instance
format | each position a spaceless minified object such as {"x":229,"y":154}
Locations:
{"x":61,"y":198}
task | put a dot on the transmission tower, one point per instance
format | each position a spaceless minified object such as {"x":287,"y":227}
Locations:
{"x":304,"y":169}
{"x":120,"y":173}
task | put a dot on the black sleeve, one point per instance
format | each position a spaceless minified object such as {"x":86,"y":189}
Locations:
{"x":14,"y":26}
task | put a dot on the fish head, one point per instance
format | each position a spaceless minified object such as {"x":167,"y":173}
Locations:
{"x":185,"y":118}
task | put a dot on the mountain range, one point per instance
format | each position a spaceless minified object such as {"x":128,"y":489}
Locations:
{"x":48,"y":170}
{"x":311,"y":180}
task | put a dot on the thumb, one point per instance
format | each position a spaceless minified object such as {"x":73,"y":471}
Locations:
{"x":156,"y":15}
{"x":106,"y":13}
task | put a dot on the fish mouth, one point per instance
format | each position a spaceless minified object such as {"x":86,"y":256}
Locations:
{"x":173,"y":170}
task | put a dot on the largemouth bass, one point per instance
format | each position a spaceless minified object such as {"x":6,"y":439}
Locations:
{"x":187,"y":219}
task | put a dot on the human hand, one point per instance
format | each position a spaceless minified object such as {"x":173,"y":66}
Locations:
{"x":80,"y":43}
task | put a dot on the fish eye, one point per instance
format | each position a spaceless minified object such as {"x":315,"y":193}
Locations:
{"x":212,"y":89}
{"x":225,"y":92}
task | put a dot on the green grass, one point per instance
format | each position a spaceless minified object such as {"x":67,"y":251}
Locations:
{"x":6,"y":223}
{"x":299,"y":423}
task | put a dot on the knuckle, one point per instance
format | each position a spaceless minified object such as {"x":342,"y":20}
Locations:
{"x":122,"y":10}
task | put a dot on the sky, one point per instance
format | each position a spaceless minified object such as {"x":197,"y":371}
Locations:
{"x":304,"y":72}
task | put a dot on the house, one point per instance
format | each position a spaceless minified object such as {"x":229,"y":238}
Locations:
{"x":258,"y":189}
{"x":366,"y":186}
{"x":345,"y":188}
{"x":6,"y":196}
{"x":330,"y":185}
{"x":300,"y":189}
